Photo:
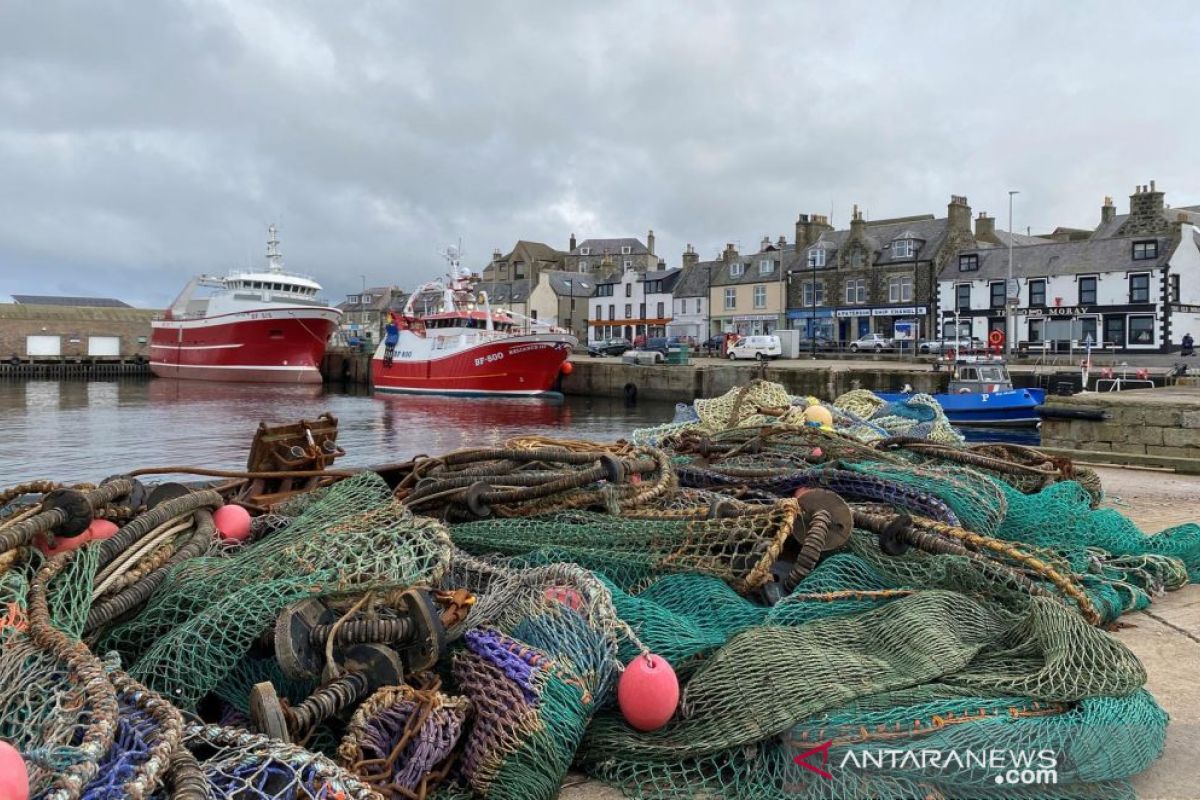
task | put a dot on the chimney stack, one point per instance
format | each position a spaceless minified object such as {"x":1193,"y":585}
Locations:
{"x":782,"y":243}
{"x":985,"y":229}
{"x":571,"y":248}
{"x":730,"y":253}
{"x":497,"y":255}
{"x":1108,"y":212}
{"x":1146,"y":202}
{"x":650,"y":241}
{"x":690,"y":256}
{"x":858,"y":225}
{"x":959,"y":214}
{"x":764,"y":244}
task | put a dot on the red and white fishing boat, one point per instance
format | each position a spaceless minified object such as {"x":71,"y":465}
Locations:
{"x":266,"y":326}
{"x":462,"y":346}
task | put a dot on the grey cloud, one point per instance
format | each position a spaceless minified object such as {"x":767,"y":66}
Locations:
{"x":142,"y":142}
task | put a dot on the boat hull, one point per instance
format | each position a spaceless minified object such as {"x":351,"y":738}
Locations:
{"x":278,"y":345}
{"x":515,"y":366}
{"x":1012,"y":408}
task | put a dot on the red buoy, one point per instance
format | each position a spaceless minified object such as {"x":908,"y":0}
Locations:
{"x":567,"y":368}
{"x":648,"y":692}
{"x":101,"y":529}
{"x":14,"y":777}
{"x":233,"y":523}
{"x":61,"y":545}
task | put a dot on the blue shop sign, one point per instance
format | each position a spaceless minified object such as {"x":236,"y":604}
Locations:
{"x":807,"y":313}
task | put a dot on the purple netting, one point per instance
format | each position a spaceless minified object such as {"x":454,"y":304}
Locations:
{"x":130,"y":749}
{"x":517,"y":661}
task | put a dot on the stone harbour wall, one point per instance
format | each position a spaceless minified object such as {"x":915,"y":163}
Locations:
{"x":1164,"y":423}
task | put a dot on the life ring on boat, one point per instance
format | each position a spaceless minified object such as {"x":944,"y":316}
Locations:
{"x":996,"y":339}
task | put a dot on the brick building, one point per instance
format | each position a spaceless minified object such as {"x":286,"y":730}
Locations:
{"x":51,"y":331}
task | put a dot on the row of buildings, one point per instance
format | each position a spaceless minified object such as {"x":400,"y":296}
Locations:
{"x":1132,"y":283}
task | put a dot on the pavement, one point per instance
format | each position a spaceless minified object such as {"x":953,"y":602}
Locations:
{"x":1166,"y":637}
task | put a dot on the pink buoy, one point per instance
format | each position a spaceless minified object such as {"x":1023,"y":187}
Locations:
{"x":648,"y":692}
{"x":233,"y":523}
{"x":62,"y":544}
{"x":14,"y":777}
{"x":101,"y":529}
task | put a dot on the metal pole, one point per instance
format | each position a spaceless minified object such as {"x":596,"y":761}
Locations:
{"x":812,"y":324}
{"x":1008,"y":306}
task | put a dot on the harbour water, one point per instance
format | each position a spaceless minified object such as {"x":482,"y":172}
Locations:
{"x":87,"y":430}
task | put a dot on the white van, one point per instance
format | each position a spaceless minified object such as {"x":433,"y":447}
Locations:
{"x":760,"y":347}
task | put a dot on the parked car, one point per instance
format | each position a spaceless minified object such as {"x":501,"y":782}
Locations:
{"x":872,"y":341}
{"x":609,"y":347}
{"x":658,"y":344}
{"x":760,"y":347}
{"x":713,"y":344}
{"x":939,"y":346}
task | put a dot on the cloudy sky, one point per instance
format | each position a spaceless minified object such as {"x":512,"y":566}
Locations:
{"x":141,"y":142}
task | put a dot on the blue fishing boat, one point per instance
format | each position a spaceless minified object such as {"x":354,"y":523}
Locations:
{"x":981,"y":393}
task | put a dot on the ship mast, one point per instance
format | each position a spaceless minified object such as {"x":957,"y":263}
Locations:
{"x":274,"y":257}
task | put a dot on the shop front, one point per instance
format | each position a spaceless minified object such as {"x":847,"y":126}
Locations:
{"x":813,"y":320}
{"x":854,"y":323}
{"x":747,"y":324}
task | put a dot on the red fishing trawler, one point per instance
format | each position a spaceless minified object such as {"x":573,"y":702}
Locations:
{"x":266,"y":326}
{"x":460,"y":345}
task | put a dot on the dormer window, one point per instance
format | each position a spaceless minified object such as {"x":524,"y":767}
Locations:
{"x":736,"y":269}
{"x":968,"y":263}
{"x":585,"y":251}
{"x":903,"y":248}
{"x":766,"y":266}
{"x":816,"y":257}
{"x":1145,"y":251}
{"x":626,"y":250}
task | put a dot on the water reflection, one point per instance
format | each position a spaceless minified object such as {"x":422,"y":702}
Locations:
{"x":77,"y":430}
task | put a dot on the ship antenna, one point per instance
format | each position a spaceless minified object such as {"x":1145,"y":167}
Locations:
{"x":274,"y":257}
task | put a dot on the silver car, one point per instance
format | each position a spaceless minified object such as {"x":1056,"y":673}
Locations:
{"x":876,"y":342}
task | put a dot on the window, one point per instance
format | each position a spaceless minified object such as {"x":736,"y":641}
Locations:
{"x":962,"y":299}
{"x":1141,"y":330}
{"x":585,"y":251}
{"x":654,"y":287}
{"x":816,"y":257}
{"x":814,"y":293}
{"x":604,"y":290}
{"x":1035,"y":330}
{"x":903,"y":248}
{"x":766,"y":266}
{"x":642,"y":311}
{"x":997,"y":297}
{"x":968,"y":263}
{"x":583,"y":267}
{"x":1145,"y":251}
{"x":662,"y":312}
{"x":629,"y":290}
{"x":533,"y":315}
{"x":1087,"y":291}
{"x":612,"y":311}
{"x":628,"y":311}
{"x":730,"y":298}
{"x":1174,"y":291}
{"x":628,"y":263}
{"x":858,"y":258}
{"x":900,"y":289}
{"x":1114,"y":331}
{"x":856,"y":292}
{"x":1037,"y":293}
{"x":625,"y":250}
{"x":736,"y":269}
{"x":697,"y":305}
{"x":760,"y":296}
{"x":1139,"y":288}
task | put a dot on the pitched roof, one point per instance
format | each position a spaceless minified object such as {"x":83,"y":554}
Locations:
{"x":880,"y":235}
{"x":596,"y":247}
{"x":505,"y":291}
{"x":77,"y":313}
{"x":571,"y":284}
{"x":382,"y":298}
{"x":537,"y":250}
{"x":693,"y":279}
{"x":785,"y":261}
{"x":1060,"y":258}
{"x":78,"y":302}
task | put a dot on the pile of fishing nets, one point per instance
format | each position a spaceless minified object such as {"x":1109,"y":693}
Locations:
{"x":768,"y":597}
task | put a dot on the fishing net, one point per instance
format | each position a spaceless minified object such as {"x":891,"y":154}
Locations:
{"x":737,"y":549}
{"x":208,"y":612}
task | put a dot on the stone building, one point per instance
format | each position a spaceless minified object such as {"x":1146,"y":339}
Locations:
{"x":690,"y":318}
{"x":509,"y":279}
{"x":50,"y":328}
{"x":748,"y":294}
{"x":875,"y":274}
{"x":1132,"y":286}
{"x":364,"y":314}
{"x":623,"y":254}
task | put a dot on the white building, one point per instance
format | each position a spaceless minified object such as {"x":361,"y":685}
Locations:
{"x":689,"y":318}
{"x":629,"y":303}
{"x":1132,"y":286}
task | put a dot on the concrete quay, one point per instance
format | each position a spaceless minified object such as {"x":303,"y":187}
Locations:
{"x":1166,"y":637}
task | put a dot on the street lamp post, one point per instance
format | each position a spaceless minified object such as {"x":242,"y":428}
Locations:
{"x":812,"y":322}
{"x":1008,"y":302}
